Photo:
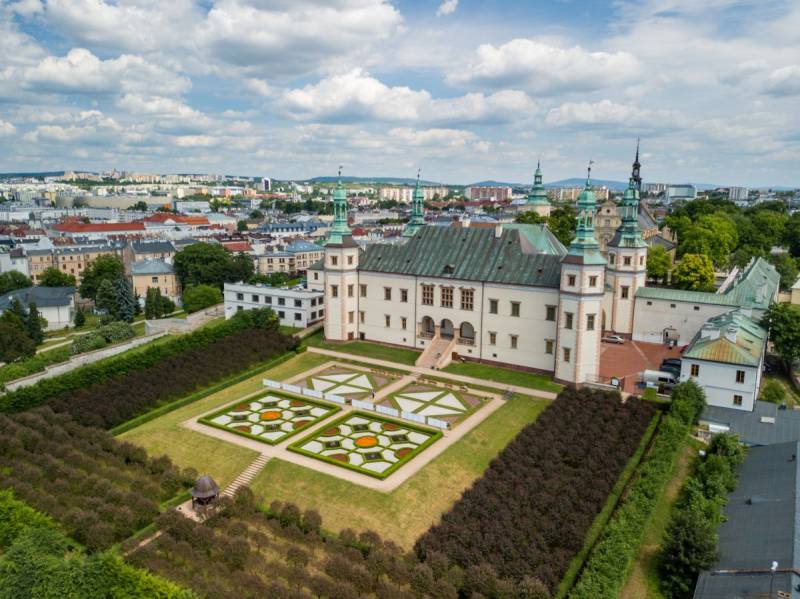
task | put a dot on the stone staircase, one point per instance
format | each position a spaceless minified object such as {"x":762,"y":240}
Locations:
{"x":438,"y":354}
{"x":246,"y":476}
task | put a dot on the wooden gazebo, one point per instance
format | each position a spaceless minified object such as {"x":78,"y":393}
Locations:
{"x":205,"y":492}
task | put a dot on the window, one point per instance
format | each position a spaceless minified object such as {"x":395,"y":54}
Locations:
{"x":268,"y":299}
{"x":427,"y":295}
{"x":239,"y":308}
{"x":514,"y":308}
{"x":626,"y":260}
{"x":298,"y":303}
{"x":334,"y":291}
{"x":404,"y":296}
{"x":363,"y":290}
{"x":334,"y":260}
{"x":697,"y":308}
{"x":695,"y":370}
{"x":624,"y":291}
{"x":351,"y":317}
{"x":298,"y":316}
{"x":740,"y":376}
{"x":361,"y":317}
{"x":254,"y":298}
{"x":514,"y":340}
{"x":240,"y":296}
{"x":567,"y":320}
{"x":492,"y":338}
{"x":467,"y":297}
{"x":281,"y":314}
{"x":350,"y":260}
{"x":351,"y":291}
{"x":737,"y":400}
{"x":548,"y":346}
{"x":154,"y":279}
{"x":641,"y":260}
{"x":492,"y":306}
{"x":593,"y":281}
{"x":590,"y":322}
{"x":403,"y":323}
{"x":551,"y":313}
{"x":672,"y":305}
{"x":316,"y":276}
{"x":281,"y":301}
{"x":567,"y":354}
{"x":387,"y":320}
{"x":447,"y":297}
{"x":571,"y":280}
{"x":387,"y":294}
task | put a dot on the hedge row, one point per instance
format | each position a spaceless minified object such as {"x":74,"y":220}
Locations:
{"x":86,"y":376}
{"x":607,"y":568}
{"x":39,"y":561}
{"x":34,"y":364}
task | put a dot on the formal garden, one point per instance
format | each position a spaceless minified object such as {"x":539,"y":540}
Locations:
{"x":270,"y":418}
{"x":367,"y":443}
{"x":348,"y":382}
{"x":448,"y":404}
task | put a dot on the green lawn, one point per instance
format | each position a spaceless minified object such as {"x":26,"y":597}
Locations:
{"x":792,"y":397}
{"x":289,"y":330}
{"x":504,"y":375}
{"x":404,"y":514}
{"x":222,"y":460}
{"x":366,"y":348}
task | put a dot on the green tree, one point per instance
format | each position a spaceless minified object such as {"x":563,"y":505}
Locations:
{"x":658,"y":263}
{"x":791,"y":234}
{"x":16,"y":309}
{"x":13,"y":280}
{"x":106,"y":299}
{"x":140,"y":206}
{"x":786,"y":266}
{"x":530,"y":218}
{"x":126,"y":302}
{"x":206,"y":264}
{"x":241,"y":267}
{"x":156,"y":305}
{"x":197,"y":297}
{"x":690,"y":546}
{"x":241,"y":226}
{"x":80,"y":318}
{"x":14,"y":341}
{"x":562,"y":223}
{"x":256,"y":214}
{"x":107,"y":267}
{"x":52,"y":277}
{"x":714,"y":235}
{"x":34,"y":325}
{"x":783,"y":322}
{"x":773,"y":392}
{"x":695,"y":272}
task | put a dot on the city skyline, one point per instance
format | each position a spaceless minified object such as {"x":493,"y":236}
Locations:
{"x":458,"y":88}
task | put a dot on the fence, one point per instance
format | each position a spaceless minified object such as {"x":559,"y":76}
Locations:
{"x":335,"y":398}
{"x":388,"y":411}
{"x":435,"y":422}
{"x":292,"y":388}
{"x":313,"y":393}
{"x":364,"y":405}
{"x":271,"y":384}
{"x":412,"y":417}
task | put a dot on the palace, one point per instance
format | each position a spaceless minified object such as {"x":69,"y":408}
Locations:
{"x":514,"y":295}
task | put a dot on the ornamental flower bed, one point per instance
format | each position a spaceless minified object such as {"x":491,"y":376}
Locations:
{"x":345,"y":382}
{"x":436,"y":402}
{"x":270,"y":418}
{"x":367,"y":443}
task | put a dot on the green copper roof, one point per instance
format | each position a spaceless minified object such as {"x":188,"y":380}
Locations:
{"x":417,"y":212}
{"x":340,"y":227}
{"x":731,"y":338}
{"x":538,"y":194}
{"x":683,"y":295}
{"x":516,"y":256}
{"x":628,"y":234}
{"x":584,"y":245}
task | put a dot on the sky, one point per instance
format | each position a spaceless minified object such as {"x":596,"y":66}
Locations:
{"x":464,"y":90}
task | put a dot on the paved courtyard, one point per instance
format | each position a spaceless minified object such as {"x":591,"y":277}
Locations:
{"x":627,"y":360}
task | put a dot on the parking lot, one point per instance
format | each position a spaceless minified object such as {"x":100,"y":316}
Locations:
{"x":627,"y":360}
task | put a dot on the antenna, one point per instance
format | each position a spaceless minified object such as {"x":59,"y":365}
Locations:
{"x":340,"y":170}
{"x":589,"y":170}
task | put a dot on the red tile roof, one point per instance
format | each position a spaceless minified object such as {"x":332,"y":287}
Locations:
{"x":237,"y":246}
{"x":161,"y":217}
{"x":72,"y":227}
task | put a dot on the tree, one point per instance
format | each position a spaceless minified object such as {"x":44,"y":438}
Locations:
{"x":783,"y":322}
{"x":241,"y":267}
{"x":80,"y":318}
{"x":714,"y":235}
{"x":16,"y":309}
{"x":13,"y":280}
{"x":52,"y":277}
{"x":33,"y":324}
{"x":791,"y":234}
{"x":786,"y":266}
{"x":689,"y":548}
{"x":205,"y":264}
{"x":14,"y":342}
{"x":126,"y":302}
{"x":107,"y":267}
{"x":156,"y":305}
{"x":562,"y":222}
{"x":658,"y":263}
{"x":773,"y":392}
{"x":197,"y":297}
{"x":140,"y":206}
{"x":241,"y":226}
{"x":106,"y":299}
{"x":695,"y":272}
{"x":256,"y":215}
{"x":530,"y":218}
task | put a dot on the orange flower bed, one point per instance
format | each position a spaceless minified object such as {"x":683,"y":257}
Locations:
{"x":366,"y":442}
{"x":296,"y":403}
{"x":390,"y":426}
{"x":271,"y":415}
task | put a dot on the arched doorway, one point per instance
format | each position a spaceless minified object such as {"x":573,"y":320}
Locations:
{"x":446,"y":329}
{"x":467,"y":332}
{"x":428,"y":326}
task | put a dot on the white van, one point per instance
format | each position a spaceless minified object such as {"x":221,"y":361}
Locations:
{"x":658,"y":377}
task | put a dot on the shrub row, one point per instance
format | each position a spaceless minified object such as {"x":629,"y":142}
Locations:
{"x":39,"y":561}
{"x":101,"y":490}
{"x":113,"y":332}
{"x":530,"y":512}
{"x":34,"y":364}
{"x":606,"y":570}
{"x":86,"y":376}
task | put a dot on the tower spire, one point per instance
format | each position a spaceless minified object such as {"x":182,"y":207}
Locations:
{"x":584,"y":246}
{"x":635,"y":172}
{"x":417,"y":219}
{"x":538,"y":194}
{"x":340,"y":227}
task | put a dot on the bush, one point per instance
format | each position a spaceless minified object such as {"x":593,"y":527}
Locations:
{"x":89,"y":342}
{"x":198,"y":297}
{"x":37,"y":363}
{"x":16,"y":517}
{"x":773,"y":392}
{"x":115,"y":332}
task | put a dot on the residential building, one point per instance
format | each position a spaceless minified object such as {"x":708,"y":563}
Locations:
{"x":137,"y":250}
{"x":738,"y":194}
{"x":71,"y":260}
{"x":55,"y":304}
{"x":493,"y":193}
{"x":155,"y":273}
{"x":681,"y":192}
{"x":296,"y":307}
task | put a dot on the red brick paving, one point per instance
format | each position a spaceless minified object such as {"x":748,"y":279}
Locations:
{"x":627,"y":360}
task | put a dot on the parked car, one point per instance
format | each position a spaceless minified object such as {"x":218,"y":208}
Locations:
{"x":674,"y":370}
{"x":672,"y":362}
{"x":613,"y":339}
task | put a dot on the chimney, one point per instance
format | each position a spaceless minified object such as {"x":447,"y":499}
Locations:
{"x":498,"y":231}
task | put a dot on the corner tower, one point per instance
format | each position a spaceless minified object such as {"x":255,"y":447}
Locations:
{"x":341,"y":273}
{"x":537,"y":198}
{"x":581,"y":298}
{"x":417,"y":220}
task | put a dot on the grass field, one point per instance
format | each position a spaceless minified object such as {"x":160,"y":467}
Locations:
{"x":222,"y":460}
{"x":504,"y":375}
{"x":365,"y":348}
{"x":404,"y":514}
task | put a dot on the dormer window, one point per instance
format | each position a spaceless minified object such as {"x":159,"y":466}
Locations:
{"x":448,"y":269}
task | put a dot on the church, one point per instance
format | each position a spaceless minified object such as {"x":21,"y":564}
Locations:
{"x":511,"y":295}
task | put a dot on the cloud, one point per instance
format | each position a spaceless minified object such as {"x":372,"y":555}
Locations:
{"x":7,"y":129}
{"x":447,"y":7}
{"x":608,"y":114}
{"x":81,"y":72}
{"x":356,"y":95}
{"x":784,"y":81}
{"x":88,"y":126}
{"x":545,"y":69}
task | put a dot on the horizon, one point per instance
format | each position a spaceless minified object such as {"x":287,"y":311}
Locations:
{"x":454,"y":88}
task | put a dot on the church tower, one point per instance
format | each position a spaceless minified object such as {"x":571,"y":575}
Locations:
{"x":581,"y":298}
{"x":537,"y":198}
{"x":341,"y":273}
{"x":417,"y":212}
{"x":627,"y":258}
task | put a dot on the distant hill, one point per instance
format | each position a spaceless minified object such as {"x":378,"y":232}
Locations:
{"x":373,"y":180}
{"x":580,"y":182}
{"x":38,"y":175}
{"x":492,"y":183}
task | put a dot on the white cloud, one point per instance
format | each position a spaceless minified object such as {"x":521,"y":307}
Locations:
{"x":81,"y":72}
{"x":610,"y":114}
{"x":26,"y":8}
{"x":447,"y":7}
{"x":7,"y":129}
{"x":784,"y":81}
{"x":195,"y":141}
{"x":88,"y":126}
{"x":545,"y":69}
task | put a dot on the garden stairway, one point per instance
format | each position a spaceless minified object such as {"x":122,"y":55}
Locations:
{"x":247,"y":475}
{"x":438,"y":354}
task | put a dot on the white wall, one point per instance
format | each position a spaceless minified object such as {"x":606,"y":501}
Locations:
{"x":719,"y":382}
{"x":651,"y":317}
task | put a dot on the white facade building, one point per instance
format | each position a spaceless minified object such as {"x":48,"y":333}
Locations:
{"x":295,"y":307}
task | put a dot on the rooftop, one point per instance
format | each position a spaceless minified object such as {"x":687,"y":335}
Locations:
{"x":731,"y":338}
{"x":767,"y":424}
{"x":151,"y":267}
{"x":43,"y":297}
